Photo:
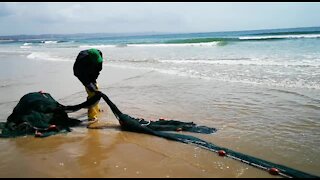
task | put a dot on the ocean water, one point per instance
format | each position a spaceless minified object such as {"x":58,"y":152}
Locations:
{"x":277,"y":59}
{"x":261,"y":89}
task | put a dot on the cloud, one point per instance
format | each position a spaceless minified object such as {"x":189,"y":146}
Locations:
{"x":86,"y":17}
{"x":4,"y":10}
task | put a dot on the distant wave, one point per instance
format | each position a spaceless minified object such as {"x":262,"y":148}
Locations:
{"x":152,"y":45}
{"x":39,"y":41}
{"x":192,"y":42}
{"x":52,"y":42}
{"x":6,"y":40}
{"x":225,"y":40}
{"x":288,"y":33}
{"x":198,"y":40}
{"x":175,"y":44}
{"x":274,"y":37}
{"x":49,"y":42}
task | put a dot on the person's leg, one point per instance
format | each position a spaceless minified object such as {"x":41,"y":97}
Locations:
{"x":94,"y":110}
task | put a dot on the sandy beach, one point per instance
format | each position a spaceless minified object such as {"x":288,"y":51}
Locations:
{"x":110,"y":152}
{"x":264,"y":102}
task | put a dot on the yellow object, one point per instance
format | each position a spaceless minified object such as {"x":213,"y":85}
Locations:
{"x":94,"y":110}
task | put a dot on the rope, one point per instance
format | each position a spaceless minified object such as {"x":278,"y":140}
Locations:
{"x":250,"y":160}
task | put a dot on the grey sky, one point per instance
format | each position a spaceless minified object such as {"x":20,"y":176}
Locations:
{"x":85,"y":17}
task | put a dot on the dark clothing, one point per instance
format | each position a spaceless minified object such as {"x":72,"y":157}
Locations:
{"x":86,"y":69}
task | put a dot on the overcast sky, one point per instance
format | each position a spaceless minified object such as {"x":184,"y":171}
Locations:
{"x":102,"y":17}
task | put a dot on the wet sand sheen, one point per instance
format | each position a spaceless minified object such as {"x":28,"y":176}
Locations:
{"x":110,"y":152}
{"x":249,"y":120}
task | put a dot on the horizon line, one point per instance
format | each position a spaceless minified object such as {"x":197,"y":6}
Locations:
{"x":157,"y":33}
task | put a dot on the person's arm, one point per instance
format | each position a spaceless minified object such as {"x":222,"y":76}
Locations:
{"x":93,"y":73}
{"x":81,"y":70}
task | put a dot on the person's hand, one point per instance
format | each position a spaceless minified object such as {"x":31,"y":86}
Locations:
{"x":92,"y":87}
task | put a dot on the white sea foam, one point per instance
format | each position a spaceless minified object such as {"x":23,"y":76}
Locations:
{"x":280,"y":37}
{"x":97,"y":46}
{"x":244,"y":62}
{"x":174,"y":45}
{"x":50,"y":42}
{"x":47,"y":57}
{"x":271,"y":80}
{"x":26,"y":46}
{"x":208,"y":44}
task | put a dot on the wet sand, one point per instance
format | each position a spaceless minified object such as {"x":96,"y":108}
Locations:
{"x":110,"y":152}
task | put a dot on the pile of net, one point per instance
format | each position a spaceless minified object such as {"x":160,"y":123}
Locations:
{"x":39,"y":114}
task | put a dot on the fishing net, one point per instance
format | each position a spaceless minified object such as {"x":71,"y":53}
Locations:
{"x":39,"y":114}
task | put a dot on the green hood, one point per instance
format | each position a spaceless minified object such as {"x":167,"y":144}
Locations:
{"x":95,"y":55}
